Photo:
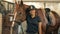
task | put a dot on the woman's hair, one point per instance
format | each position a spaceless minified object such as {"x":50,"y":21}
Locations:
{"x":31,"y":7}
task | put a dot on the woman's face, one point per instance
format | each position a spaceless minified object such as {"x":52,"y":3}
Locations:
{"x":32,"y":12}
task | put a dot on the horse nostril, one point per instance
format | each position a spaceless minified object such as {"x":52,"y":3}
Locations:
{"x":20,"y":14}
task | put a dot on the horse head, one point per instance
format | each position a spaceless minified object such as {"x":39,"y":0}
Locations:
{"x":20,"y":9}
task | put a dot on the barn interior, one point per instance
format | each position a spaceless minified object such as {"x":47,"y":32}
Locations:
{"x":10,"y":4}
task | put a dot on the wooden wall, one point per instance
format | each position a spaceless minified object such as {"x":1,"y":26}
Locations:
{"x":0,"y":23}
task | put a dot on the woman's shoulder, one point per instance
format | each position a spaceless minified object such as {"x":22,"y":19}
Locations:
{"x":37,"y":16}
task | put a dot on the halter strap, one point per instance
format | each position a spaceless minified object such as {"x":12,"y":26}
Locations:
{"x":14,"y":19}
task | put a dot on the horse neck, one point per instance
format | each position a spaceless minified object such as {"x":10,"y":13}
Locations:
{"x":41,"y":14}
{"x":55,"y":14}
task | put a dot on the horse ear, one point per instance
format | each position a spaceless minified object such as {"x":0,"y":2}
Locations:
{"x":21,"y":2}
{"x":15,"y":1}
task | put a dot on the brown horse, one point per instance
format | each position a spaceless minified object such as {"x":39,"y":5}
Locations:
{"x":19,"y":14}
{"x":54,"y":25}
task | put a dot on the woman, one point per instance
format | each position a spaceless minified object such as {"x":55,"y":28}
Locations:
{"x":33,"y":21}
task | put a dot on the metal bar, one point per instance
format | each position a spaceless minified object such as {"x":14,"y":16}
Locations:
{"x":44,"y":4}
{"x":36,"y":1}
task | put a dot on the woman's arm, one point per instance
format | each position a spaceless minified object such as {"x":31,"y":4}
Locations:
{"x":40,"y":27}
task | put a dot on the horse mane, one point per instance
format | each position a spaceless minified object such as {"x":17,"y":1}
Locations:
{"x":41,"y":14}
{"x":55,"y":14}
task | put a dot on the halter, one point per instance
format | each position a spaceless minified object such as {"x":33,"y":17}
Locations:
{"x":15,"y":14}
{"x":13,"y":22}
{"x":14,"y":19}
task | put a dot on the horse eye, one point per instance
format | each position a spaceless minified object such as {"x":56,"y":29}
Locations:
{"x":19,"y":13}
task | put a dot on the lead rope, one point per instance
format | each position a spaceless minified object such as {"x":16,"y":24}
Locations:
{"x":13,"y":23}
{"x":22,"y":29}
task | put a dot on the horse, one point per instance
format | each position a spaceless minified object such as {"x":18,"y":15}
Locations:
{"x":53,"y":28}
{"x":19,"y":15}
